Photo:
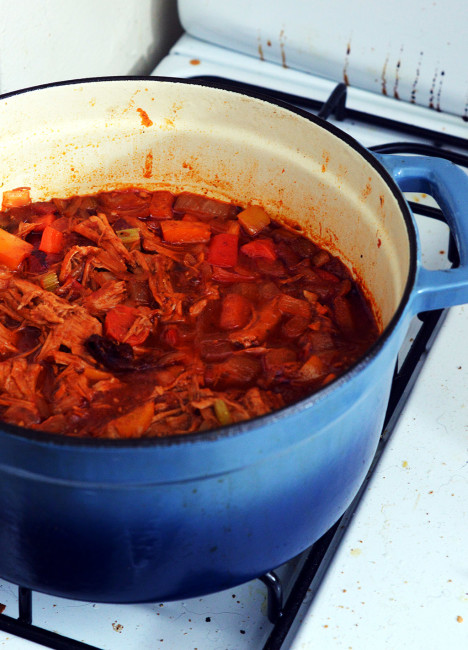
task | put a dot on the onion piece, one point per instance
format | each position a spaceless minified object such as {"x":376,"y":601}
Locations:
{"x":16,"y":198}
{"x":222,"y":412}
{"x":254,"y":219}
{"x":202,"y":205}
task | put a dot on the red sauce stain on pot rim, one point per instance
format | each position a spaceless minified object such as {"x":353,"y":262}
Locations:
{"x":145,"y":120}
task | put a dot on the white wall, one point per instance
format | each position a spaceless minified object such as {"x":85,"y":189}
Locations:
{"x":53,"y":40}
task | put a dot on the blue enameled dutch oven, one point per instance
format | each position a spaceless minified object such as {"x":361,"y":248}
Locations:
{"x":175,"y":517}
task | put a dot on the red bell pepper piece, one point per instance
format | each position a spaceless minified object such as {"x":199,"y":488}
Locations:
{"x":260,"y":248}
{"x":223,"y":250}
{"x":51,"y":240}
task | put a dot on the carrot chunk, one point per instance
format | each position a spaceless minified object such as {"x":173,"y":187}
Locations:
{"x":185,"y":232}
{"x":223,"y":250}
{"x":13,"y":249}
{"x":51,"y":240}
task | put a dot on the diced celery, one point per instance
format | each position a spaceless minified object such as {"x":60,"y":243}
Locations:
{"x":129,"y":236}
{"x":49,"y":281}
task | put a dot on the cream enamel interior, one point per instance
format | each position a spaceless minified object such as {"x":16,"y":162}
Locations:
{"x":81,"y":138}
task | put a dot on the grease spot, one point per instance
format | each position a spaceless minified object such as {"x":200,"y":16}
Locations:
{"x":355,"y":552}
{"x":117,"y":626}
{"x":195,"y":61}
{"x":145,"y":120}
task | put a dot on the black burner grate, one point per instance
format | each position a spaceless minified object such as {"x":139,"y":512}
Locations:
{"x":320,"y":555}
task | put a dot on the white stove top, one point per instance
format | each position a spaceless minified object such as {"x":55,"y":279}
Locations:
{"x":400,"y":576}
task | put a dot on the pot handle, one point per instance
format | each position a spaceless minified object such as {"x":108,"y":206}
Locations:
{"x":448,"y":185}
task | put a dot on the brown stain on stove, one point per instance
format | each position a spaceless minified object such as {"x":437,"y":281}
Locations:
{"x":145,"y":120}
{"x":396,"y":93}
{"x":414,"y":88}
{"x":435,"y":91}
{"x":282,"y":39}
{"x":148,"y":167}
{"x":439,"y":91}
{"x":346,"y":63}
{"x":117,"y":627}
{"x":432,"y":89}
{"x":195,"y":61}
{"x":383,"y":77}
{"x":260,"y":52}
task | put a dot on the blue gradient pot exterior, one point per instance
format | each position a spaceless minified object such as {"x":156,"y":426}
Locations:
{"x":172,"y":518}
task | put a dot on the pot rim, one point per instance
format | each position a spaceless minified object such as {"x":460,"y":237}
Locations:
{"x":60,"y":440}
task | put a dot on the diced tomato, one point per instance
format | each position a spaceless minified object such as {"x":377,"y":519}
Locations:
{"x":161,"y":205}
{"x":43,"y":221}
{"x":223,"y":250}
{"x":171,"y":336}
{"x":51,"y":241}
{"x":13,"y":249}
{"x":235,"y":312}
{"x":43,"y":207}
{"x":260,"y":248}
{"x":185,"y":232}
{"x":119,"y":322}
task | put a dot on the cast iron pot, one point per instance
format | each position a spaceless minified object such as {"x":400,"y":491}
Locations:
{"x":146,"y":520}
